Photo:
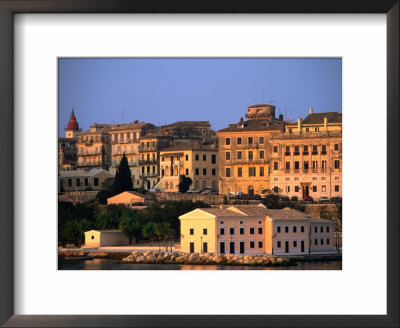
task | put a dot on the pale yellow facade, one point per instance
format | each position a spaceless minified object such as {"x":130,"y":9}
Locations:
{"x":250,"y":229}
{"x":81,"y":180}
{"x":103,"y":238}
{"x":199,"y":164}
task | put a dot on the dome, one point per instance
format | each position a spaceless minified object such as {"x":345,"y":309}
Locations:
{"x":73,"y":124}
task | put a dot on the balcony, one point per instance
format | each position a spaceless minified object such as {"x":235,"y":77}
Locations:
{"x":287,"y":153}
{"x":314,"y":153}
{"x":144,"y":149}
{"x":148,"y":175}
{"x":148,"y":162}
{"x":305,"y":153}
{"x":296,"y":153}
{"x":323,"y":152}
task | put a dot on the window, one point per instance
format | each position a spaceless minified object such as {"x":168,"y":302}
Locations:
{"x":166,"y":185}
{"x":278,"y":229}
{"x":327,"y":229}
{"x":252,"y":171}
{"x":314,"y":165}
{"x":191,"y":231}
{"x":228,"y":155}
{"x":337,"y":164}
{"x":260,"y":231}
{"x":314,"y":150}
{"x":227,"y":141}
{"x":323,"y":150}
{"x":228,"y":172}
{"x":296,"y":150}
{"x":287,"y":165}
{"x":315,"y":229}
{"x":251,"y":230}
{"x":260,"y":244}
{"x":197,"y":157}
{"x":222,"y":231}
{"x":250,"y":155}
{"x":261,"y":154}
{"x":213,"y":159}
{"x":259,"y":222}
{"x":327,"y":241}
{"x":241,"y":231}
{"x":287,"y":188}
{"x":239,"y":172}
{"x":86,"y":181}
{"x":221,"y":222}
{"x":323,"y":188}
{"x":336,"y":188}
{"x":213,"y":171}
{"x":239,"y":141}
{"x":296,"y":189}
{"x":275,"y":166}
{"x":295,"y":243}
{"x":314,"y":188}
{"x":232,"y":231}
{"x":261,"y":140}
{"x":315,"y":241}
{"x":205,"y":231}
{"x":286,"y":229}
{"x":239,"y":155}
{"x":305,"y":165}
{"x":186,"y":157}
{"x":252,"y":244}
{"x":296,"y":165}
{"x":204,"y":171}
{"x":302,"y":228}
{"x":322,"y":241}
{"x":187,"y":171}
{"x":171,"y":185}
{"x":92,"y":237}
{"x":276,"y":189}
{"x":240,"y":222}
{"x":69,"y":182}
{"x":196,"y":171}
{"x":294,"y":229}
{"x":250,"y":140}
{"x":204,"y":157}
{"x":322,"y":229}
{"x":261,"y":171}
{"x":275,"y":149}
{"x":78,"y":182}
{"x":278,"y":244}
{"x":336,"y":147}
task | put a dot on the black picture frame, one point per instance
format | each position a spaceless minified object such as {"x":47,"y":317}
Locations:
{"x":10,"y":7}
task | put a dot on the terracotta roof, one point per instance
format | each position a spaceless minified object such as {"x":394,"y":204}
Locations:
{"x":318,"y":118}
{"x":220,"y":212}
{"x":253,"y":125}
{"x":83,"y":173}
{"x":250,"y":210}
{"x":319,"y":220}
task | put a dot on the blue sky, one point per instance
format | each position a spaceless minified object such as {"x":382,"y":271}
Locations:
{"x":162,"y":91}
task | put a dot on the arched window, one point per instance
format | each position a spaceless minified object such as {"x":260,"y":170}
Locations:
{"x":171,"y":185}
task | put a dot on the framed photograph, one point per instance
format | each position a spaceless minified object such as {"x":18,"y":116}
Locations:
{"x":56,"y":51}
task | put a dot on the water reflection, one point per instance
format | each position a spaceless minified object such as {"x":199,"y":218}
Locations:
{"x":109,"y":264}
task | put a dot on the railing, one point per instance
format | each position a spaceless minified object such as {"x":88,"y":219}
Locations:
{"x":147,"y":148}
{"x":89,"y":153}
{"x":296,"y":153}
{"x":168,"y":163}
{"x":305,"y":152}
{"x":148,"y":162}
{"x":148,"y":175}
{"x":287,"y":153}
{"x":314,"y":153}
{"x":317,"y":134}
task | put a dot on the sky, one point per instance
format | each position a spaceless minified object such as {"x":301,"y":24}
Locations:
{"x":163,"y":91}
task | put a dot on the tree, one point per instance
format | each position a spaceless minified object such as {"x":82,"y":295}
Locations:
{"x":149,"y":231}
{"x":103,"y":195}
{"x":184,"y":183}
{"x":130,"y":225}
{"x":273,"y":201}
{"x":163,"y":230}
{"x":123,"y":177}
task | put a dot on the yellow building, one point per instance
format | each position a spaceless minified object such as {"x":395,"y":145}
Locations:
{"x":243,"y":153}
{"x":93,"y":147}
{"x":130,"y":198}
{"x":125,"y":139}
{"x":254,"y":229}
{"x":306,"y":160}
{"x":199,"y":163}
{"x":81,"y":180}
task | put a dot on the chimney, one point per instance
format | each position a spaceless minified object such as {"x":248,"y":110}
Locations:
{"x":299,"y":124}
{"x":281,"y":117}
{"x":326,"y":123}
{"x":310,"y":110}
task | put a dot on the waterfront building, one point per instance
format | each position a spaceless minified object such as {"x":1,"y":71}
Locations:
{"x":67,"y":155}
{"x":103,"y":238}
{"x":254,"y":229}
{"x":93,"y":147}
{"x":125,"y":139}
{"x":81,"y":180}
{"x":130,"y":198}
{"x":243,"y":153}
{"x":198,"y":162}
{"x":306,"y":159}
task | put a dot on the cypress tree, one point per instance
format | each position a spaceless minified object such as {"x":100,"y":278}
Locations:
{"x":124,"y":175}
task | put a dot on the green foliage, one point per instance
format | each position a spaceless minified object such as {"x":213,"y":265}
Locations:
{"x":131,"y":224}
{"x":149,"y":230}
{"x":141,"y":190}
{"x":163,"y":229}
{"x":273,"y":201}
{"x":103,"y":195}
{"x":184,"y":183}
{"x":226,"y":201}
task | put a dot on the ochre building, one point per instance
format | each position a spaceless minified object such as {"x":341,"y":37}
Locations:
{"x":243,"y":153}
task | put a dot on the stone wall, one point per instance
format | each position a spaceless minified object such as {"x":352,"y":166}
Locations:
{"x":209,"y":199}
{"x":77,"y":197}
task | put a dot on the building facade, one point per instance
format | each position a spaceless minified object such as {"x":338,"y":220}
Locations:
{"x":93,"y":147}
{"x":250,"y":229}
{"x":243,"y":153}
{"x":67,"y":154}
{"x":81,"y":180}
{"x":306,"y":160}
{"x":197,"y":162}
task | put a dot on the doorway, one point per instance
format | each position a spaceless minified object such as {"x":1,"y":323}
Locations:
{"x":306,"y":191}
{"x":205,"y":247}
{"x":251,"y":191}
{"x":302,"y":246}
{"x":242,"y":247}
{"x":191,"y":246}
{"x":222,"y":247}
{"x":287,"y":246}
{"x":232,"y":247}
